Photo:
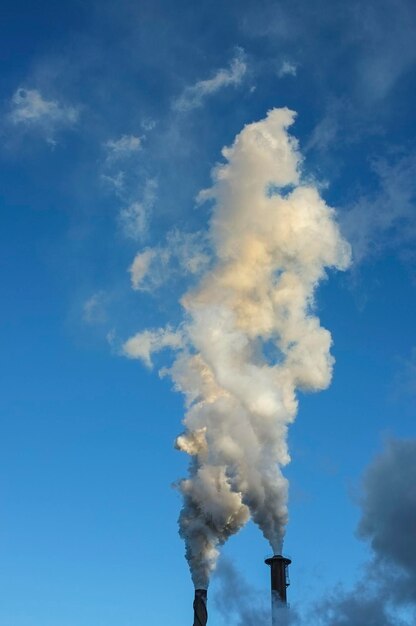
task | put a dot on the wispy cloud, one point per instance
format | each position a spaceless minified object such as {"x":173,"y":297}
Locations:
{"x":134,"y":218}
{"x":193,"y":96}
{"x":114,"y":181}
{"x":140,"y":267}
{"x":324,"y":133}
{"x":144,"y":344}
{"x":385,"y":32}
{"x":148,"y":124}
{"x":137,"y":193}
{"x":287,"y":68}
{"x":375,"y":40}
{"x":31,"y":110}
{"x":183,"y":253}
{"x":405,"y":379}
{"x":123,"y":147}
{"x":94,"y":308}
{"x":385,"y":218}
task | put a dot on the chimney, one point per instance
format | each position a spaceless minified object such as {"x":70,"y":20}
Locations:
{"x":200,"y":607}
{"x":279,"y":581}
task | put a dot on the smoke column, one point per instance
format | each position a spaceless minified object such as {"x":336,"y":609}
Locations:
{"x":249,"y":339}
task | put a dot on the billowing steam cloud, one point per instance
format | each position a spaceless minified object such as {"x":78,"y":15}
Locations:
{"x":249,"y":339}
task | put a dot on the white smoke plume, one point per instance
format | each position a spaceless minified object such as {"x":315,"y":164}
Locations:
{"x":249,"y":339}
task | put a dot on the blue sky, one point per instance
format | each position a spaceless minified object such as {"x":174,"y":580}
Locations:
{"x":113,"y":117}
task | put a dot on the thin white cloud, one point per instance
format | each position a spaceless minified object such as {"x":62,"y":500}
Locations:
{"x":375,"y":40}
{"x":287,"y":68}
{"x":146,"y":343}
{"x":31,"y":110}
{"x":385,"y":31}
{"x":140,"y":268}
{"x":385,"y":218}
{"x":330,"y":132}
{"x":194,"y":95}
{"x":405,"y":380}
{"x":119,"y":174}
{"x":148,"y":124}
{"x":183,"y":253}
{"x":114,"y":181}
{"x":325,"y":133}
{"x":134,"y":218}
{"x":123,"y":147}
{"x":94,"y":308}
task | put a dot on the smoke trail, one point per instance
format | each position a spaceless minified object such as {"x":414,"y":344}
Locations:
{"x":240,"y":604}
{"x":249,"y":339}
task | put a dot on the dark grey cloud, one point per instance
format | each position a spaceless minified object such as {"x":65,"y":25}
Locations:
{"x":354,"y":609}
{"x":240,"y":604}
{"x":388,"y":520}
{"x":388,"y":524}
{"x":386,"y":593}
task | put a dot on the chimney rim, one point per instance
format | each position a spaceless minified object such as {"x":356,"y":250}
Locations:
{"x":277,"y":557}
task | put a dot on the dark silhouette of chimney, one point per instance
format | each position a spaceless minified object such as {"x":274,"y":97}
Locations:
{"x":279,"y":581}
{"x":200,"y":607}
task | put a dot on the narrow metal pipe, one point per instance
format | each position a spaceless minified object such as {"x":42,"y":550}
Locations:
{"x":200,"y":607}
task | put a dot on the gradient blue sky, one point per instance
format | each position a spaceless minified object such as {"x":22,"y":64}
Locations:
{"x":88,"y":517}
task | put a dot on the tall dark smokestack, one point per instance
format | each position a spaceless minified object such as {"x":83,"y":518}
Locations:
{"x":279,"y":581}
{"x":200,"y":607}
